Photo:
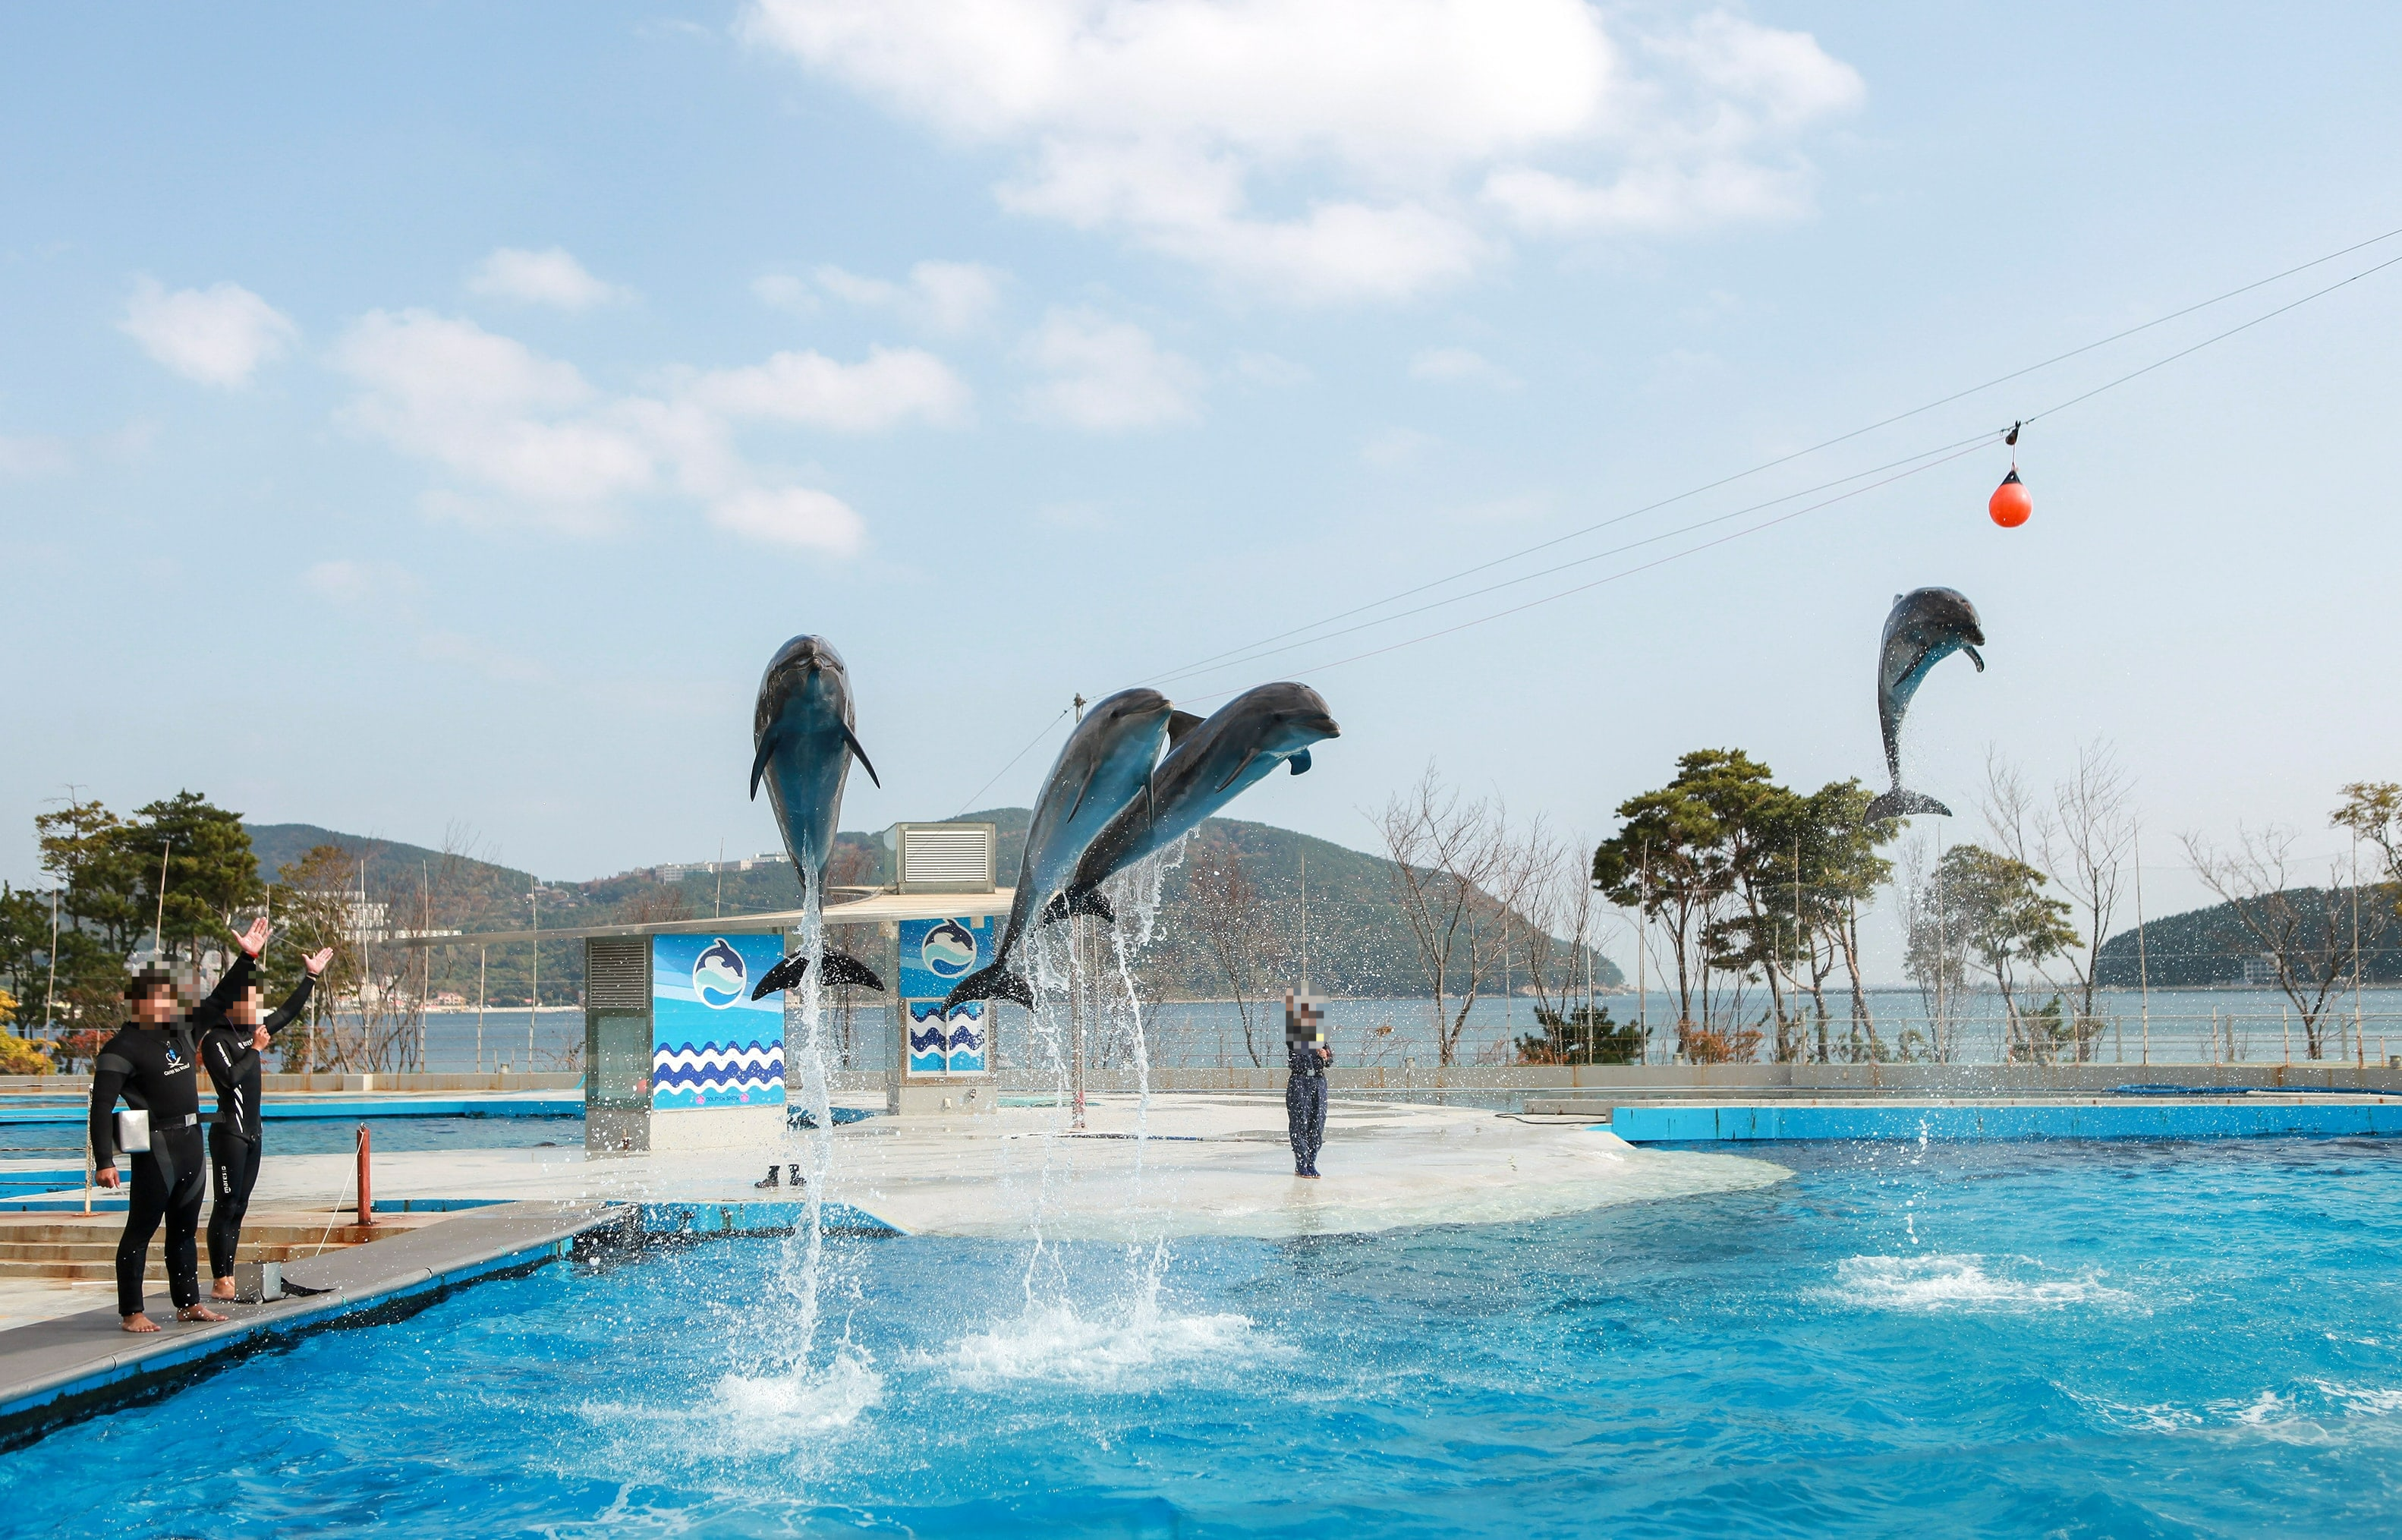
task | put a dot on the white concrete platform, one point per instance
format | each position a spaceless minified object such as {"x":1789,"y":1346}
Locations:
{"x":1205,"y":1165}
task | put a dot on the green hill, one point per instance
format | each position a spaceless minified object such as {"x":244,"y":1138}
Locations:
{"x":2208,"y":947}
{"x":1358,"y":942}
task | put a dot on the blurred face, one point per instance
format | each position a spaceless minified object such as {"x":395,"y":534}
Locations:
{"x":243,"y":1012}
{"x":155,"y":1009}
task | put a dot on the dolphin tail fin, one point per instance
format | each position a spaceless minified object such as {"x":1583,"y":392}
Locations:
{"x":1898,"y":803}
{"x":1079,"y":901}
{"x":993,"y":983}
{"x":784,"y":976}
{"x":841,"y":967}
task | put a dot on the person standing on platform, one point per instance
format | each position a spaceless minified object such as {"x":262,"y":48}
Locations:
{"x":153,"y":1064}
{"x":232,"y":1037}
{"x":1305,"y":1087}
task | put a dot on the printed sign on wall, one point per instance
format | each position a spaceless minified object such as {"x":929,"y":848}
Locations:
{"x":936,"y":954}
{"x":711,"y":1044}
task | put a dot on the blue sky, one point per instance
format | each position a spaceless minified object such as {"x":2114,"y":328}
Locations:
{"x":435,"y":415}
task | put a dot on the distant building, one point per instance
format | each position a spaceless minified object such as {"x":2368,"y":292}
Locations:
{"x":2260,"y":973}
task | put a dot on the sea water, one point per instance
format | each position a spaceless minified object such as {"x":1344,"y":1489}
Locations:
{"x":2121,"y":1339}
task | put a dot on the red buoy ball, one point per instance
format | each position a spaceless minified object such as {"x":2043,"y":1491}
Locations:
{"x":2010,"y":504}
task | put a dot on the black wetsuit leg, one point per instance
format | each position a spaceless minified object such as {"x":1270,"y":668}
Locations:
{"x":1296,"y":1120}
{"x":1315,"y":1129}
{"x":152,"y":1197}
{"x":233,"y":1170}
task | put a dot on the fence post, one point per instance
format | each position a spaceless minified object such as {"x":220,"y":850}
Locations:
{"x":366,"y":1199}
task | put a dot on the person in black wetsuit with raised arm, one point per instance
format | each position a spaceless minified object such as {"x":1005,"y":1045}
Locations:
{"x":154,"y":1065}
{"x":232,"y":1037}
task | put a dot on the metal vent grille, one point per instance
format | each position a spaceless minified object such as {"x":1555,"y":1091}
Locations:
{"x":617,"y":973}
{"x":946,"y":858}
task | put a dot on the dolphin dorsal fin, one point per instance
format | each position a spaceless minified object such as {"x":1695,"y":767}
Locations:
{"x":852,"y":738}
{"x":759,"y":763}
{"x":1179,"y":724}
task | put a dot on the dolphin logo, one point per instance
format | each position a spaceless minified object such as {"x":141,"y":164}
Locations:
{"x":1925,"y":626}
{"x":718,"y":974}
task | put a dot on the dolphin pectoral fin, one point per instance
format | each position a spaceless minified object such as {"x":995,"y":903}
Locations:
{"x":759,"y":763}
{"x":784,"y":976}
{"x":1300,"y":762}
{"x":993,"y":983}
{"x":1090,"y":775}
{"x":1898,"y":803}
{"x":841,"y":967}
{"x":1237,"y":769}
{"x":1179,"y":724}
{"x":852,"y":738}
{"x":1974,"y":656}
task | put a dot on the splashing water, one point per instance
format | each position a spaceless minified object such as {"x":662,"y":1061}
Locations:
{"x":804,"y":1010}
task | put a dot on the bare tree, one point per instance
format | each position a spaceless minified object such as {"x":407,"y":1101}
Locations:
{"x":1458,"y":874}
{"x":2313,"y":936}
{"x":2081,"y":840}
{"x":1225,"y":907}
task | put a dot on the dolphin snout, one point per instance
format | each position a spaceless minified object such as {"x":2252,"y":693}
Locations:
{"x":1324,"y":726}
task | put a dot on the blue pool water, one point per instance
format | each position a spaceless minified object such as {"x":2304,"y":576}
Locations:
{"x":2003,"y":1339}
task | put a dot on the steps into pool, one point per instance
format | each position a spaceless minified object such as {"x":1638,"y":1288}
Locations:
{"x":74,"y":1248}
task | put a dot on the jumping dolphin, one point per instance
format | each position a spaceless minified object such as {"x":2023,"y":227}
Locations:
{"x":802,"y":729}
{"x":1927,"y":626}
{"x":1210,"y":766}
{"x":1105,"y":766}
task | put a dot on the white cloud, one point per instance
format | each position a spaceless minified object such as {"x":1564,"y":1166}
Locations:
{"x":890,"y":387}
{"x":218,"y":336}
{"x":343,"y":581}
{"x":1167,"y":120}
{"x":943,"y":298}
{"x":33,"y":456}
{"x":494,"y":663}
{"x":1394,"y":449}
{"x":1268,"y":368}
{"x":1107,"y":375}
{"x":1461,"y":366}
{"x":792,"y":516}
{"x":552,"y":277}
{"x":528,"y":439}
{"x":782,"y":291}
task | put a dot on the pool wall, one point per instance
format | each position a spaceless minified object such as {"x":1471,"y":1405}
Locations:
{"x":1951,"y":1122}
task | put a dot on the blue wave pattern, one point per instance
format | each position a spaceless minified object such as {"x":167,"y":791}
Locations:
{"x":717,"y":1074}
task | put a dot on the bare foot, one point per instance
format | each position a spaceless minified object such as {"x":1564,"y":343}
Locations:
{"x":139,"y":1321}
{"x":222,"y":1290}
{"x":198,"y":1313}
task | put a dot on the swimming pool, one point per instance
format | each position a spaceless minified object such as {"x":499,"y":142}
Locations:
{"x":2003,"y":1339}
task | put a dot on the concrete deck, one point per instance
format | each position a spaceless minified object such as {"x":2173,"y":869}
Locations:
{"x":1210,"y":1165}
{"x":47,"y":1108}
{"x":55,"y":1370}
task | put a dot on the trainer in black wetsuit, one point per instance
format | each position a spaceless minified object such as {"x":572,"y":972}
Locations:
{"x":154,"y":1064}
{"x":1304,"y":1104}
{"x":229,"y":1052}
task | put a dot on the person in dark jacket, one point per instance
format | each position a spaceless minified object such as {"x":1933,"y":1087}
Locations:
{"x":1305,"y":1087}
{"x":233,"y":1036}
{"x":154,"y":1064}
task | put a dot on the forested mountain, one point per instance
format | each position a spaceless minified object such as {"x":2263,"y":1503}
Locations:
{"x":1358,"y":942}
{"x":2209,"y":947}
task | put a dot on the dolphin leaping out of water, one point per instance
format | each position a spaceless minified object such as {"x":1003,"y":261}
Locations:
{"x":1210,"y":766}
{"x":1927,"y":626}
{"x":803,"y":740}
{"x":1105,"y":766}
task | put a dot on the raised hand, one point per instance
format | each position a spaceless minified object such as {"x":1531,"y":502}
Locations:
{"x":260,"y":1039}
{"x":316,"y":964}
{"x":254,"y":940}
